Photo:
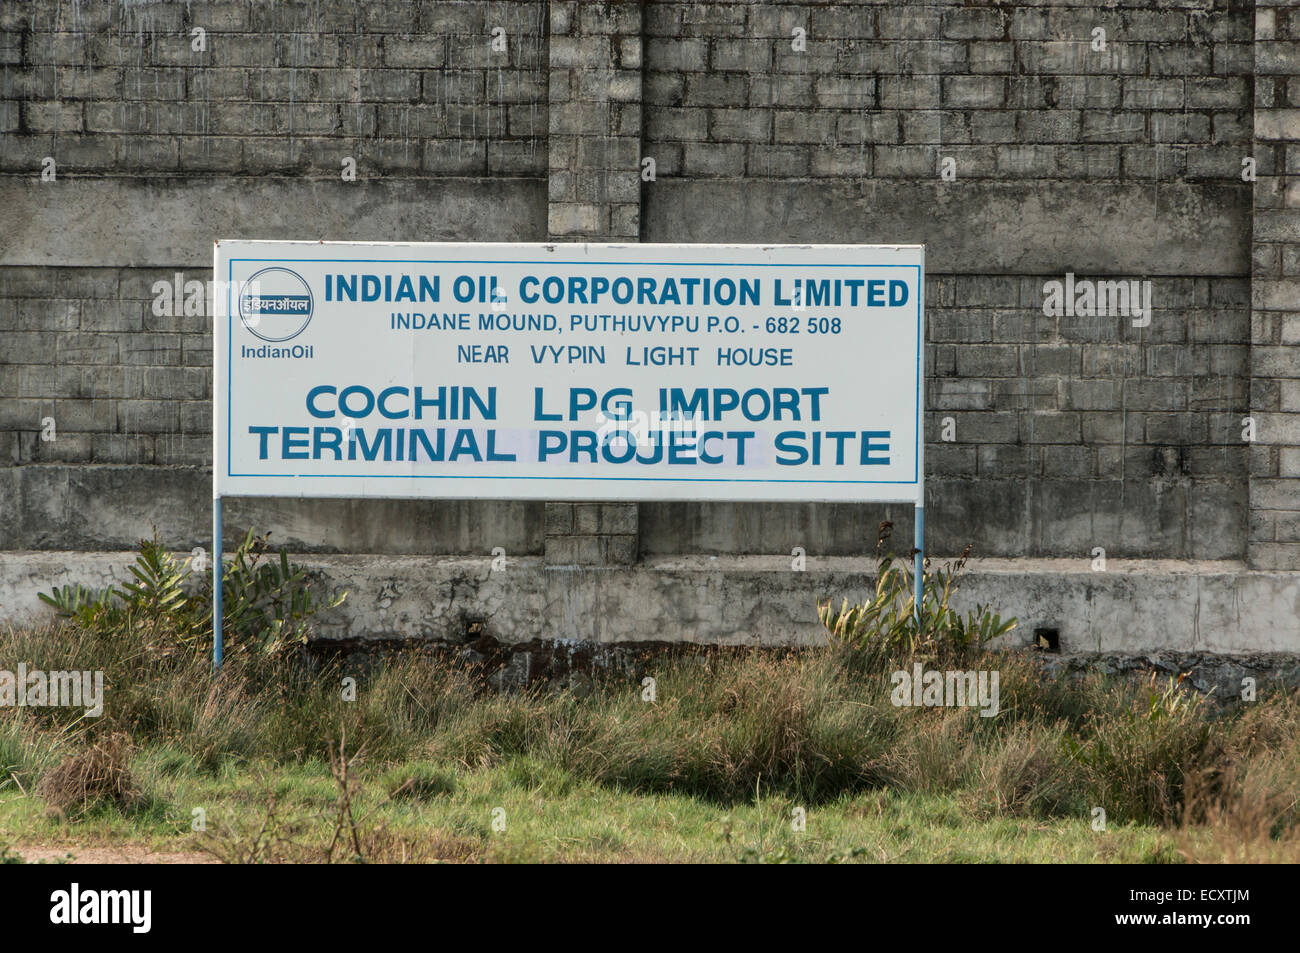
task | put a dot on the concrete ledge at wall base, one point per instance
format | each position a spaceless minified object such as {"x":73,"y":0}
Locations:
{"x":1132,"y":607}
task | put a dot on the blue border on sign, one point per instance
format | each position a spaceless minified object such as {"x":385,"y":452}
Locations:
{"x":920,"y":369}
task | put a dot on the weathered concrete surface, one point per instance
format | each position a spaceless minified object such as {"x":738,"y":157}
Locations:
{"x":113,"y":507}
{"x":54,"y":226}
{"x":1063,"y":517}
{"x":982,"y":227}
{"x":1134,"y":606}
{"x":1144,"y":605}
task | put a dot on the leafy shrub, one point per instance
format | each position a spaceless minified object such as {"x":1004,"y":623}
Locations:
{"x":157,"y":599}
{"x":889,"y":626}
{"x":79,"y":603}
{"x":268,"y":602}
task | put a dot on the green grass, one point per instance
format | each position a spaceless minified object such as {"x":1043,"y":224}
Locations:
{"x":550,"y":816}
{"x":711,"y":771}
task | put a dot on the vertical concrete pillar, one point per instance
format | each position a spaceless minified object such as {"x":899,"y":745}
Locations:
{"x":1274,"y":540}
{"x":595,"y":121}
{"x":594,"y":195}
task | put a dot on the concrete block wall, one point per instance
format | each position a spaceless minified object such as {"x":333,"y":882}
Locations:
{"x":407,"y":87}
{"x":1275,"y":291}
{"x":160,"y":144}
{"x":1020,"y":142}
{"x":834,"y":122}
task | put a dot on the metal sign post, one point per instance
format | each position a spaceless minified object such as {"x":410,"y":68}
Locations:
{"x":918,"y":570}
{"x":918,"y":515}
{"x":218,"y":584}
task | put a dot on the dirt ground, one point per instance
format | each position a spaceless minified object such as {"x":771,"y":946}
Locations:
{"x":108,"y":855}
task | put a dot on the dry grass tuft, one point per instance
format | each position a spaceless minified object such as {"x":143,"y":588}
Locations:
{"x":92,"y":778}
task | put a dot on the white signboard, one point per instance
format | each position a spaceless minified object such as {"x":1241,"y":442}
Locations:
{"x":568,"y":372}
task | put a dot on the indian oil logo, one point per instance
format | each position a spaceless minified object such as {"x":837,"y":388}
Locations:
{"x":275,"y":304}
